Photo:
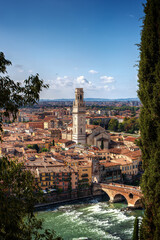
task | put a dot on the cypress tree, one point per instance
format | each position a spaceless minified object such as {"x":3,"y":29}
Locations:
{"x":149,"y":94}
{"x":136,"y":229}
{"x":102,"y":144}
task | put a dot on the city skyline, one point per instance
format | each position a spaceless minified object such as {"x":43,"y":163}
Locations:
{"x":89,"y":44}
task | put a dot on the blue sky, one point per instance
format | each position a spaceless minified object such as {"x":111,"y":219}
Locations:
{"x":74,"y":43}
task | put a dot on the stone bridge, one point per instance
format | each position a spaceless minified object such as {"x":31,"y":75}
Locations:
{"x":118,"y":192}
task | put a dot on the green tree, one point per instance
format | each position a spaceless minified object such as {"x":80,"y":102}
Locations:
{"x":18,"y":195}
{"x":131,"y":125}
{"x":113,"y":125}
{"x":136,"y":230}
{"x":133,"y":112}
{"x":35,"y":146}
{"x":17,"y":185}
{"x":149,"y":94}
{"x":15,"y":95}
{"x":97,"y":122}
{"x":102,"y":144}
{"x":30,"y":146}
{"x":44,"y":150}
{"x":120,"y":127}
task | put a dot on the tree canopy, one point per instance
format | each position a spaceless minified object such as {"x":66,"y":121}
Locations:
{"x":19,"y":194}
{"x":14,"y":95}
{"x":113,"y":125}
{"x":149,"y":94}
{"x":18,"y":190}
{"x":136,"y":230}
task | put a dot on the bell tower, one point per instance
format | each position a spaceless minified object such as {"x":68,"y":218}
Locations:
{"x":79,"y":118}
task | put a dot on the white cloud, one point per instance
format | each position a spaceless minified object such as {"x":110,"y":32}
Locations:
{"x":65,"y":84}
{"x":107,"y":88}
{"x":61,"y":82}
{"x":107,"y":79}
{"x":82,"y":80}
{"x":92,"y":71}
{"x":30,"y":71}
{"x":64,"y":81}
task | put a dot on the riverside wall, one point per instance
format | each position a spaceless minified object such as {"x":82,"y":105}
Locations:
{"x":56,"y":199}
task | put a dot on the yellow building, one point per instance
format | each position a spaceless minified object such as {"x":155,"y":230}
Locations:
{"x":84,"y":173}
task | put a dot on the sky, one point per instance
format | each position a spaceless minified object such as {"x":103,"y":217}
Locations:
{"x":74,"y":43}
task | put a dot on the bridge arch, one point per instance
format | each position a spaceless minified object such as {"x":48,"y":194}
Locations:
{"x":115,"y":196}
{"x":119,"y":197}
{"x":138,"y":203}
{"x":107,"y":193}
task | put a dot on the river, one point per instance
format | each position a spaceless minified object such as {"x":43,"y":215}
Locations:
{"x":95,"y":219}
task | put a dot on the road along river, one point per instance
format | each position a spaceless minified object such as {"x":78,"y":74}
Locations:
{"x":95,"y":219}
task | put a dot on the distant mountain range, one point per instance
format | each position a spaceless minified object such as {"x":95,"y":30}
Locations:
{"x":91,"y":100}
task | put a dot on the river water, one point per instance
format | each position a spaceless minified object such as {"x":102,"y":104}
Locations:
{"x":95,"y":219}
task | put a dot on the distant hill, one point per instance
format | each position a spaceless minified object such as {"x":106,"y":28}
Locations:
{"x":92,"y":100}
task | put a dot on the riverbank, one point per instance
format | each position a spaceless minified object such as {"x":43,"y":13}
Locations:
{"x":44,"y":206}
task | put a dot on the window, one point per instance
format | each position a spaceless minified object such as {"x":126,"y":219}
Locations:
{"x":84,"y":175}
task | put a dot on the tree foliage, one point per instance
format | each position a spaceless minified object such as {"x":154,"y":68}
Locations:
{"x":130,"y":125}
{"x":136,"y":230}
{"x":102,"y":144}
{"x":34,"y":146}
{"x":149,"y":94}
{"x":15,"y":95}
{"x":18,"y":195}
{"x":18,"y":191}
{"x":44,"y":150}
{"x":113,"y":125}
